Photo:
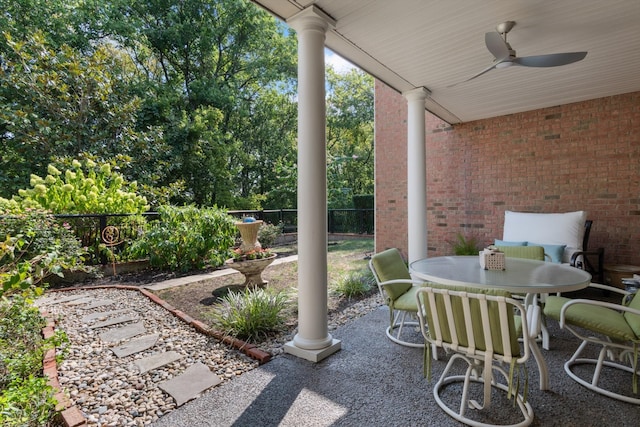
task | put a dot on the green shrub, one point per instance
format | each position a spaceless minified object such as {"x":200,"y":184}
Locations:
{"x":187,"y":238}
{"x":41,"y":246}
{"x":354,"y":284}
{"x":86,"y":187}
{"x":26,"y":399}
{"x":27,"y":402}
{"x":45,"y":234}
{"x":269,"y":233}
{"x":251,"y":314}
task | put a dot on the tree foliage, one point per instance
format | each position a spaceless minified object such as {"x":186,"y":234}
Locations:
{"x":61,"y":103}
{"x":349,"y":136}
{"x":224,"y":67}
{"x":193,"y":99}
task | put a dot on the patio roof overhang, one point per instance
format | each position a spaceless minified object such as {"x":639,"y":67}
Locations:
{"x":420,"y":48}
{"x":412,"y":44}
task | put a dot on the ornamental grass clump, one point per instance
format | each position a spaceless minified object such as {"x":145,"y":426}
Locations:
{"x":353,"y":285}
{"x":251,"y":314}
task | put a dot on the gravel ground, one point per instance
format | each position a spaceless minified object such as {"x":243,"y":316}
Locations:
{"x":111,"y":392}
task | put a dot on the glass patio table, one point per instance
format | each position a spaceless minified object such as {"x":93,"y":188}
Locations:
{"x":520,"y":276}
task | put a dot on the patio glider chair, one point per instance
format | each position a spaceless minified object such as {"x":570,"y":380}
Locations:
{"x":614,"y":327}
{"x":565,"y":237}
{"x":398,"y":291}
{"x":481,"y":328}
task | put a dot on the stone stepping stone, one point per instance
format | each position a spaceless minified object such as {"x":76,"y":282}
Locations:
{"x":193,"y":381}
{"x":156,"y":360}
{"x":80,"y":301}
{"x":97,"y":303}
{"x":57,"y":300}
{"x":136,"y":345}
{"x":102,"y":315}
{"x":119,"y":334}
{"x":113,"y":321}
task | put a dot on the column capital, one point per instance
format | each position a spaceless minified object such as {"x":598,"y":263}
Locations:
{"x":419,"y":93}
{"x":311,"y":18}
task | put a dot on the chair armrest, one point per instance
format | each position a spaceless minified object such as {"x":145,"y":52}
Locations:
{"x":387,"y":291}
{"x":611,"y":305}
{"x":394,"y":281}
{"x":586,"y":264}
{"x":609,"y":288}
{"x":574,"y":257}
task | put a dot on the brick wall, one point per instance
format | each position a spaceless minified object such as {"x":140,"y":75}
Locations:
{"x":581,"y":156}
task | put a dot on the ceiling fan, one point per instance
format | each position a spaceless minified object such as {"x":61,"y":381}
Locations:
{"x":505,"y":56}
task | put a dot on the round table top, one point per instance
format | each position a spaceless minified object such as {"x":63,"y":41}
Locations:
{"x":519,"y":276}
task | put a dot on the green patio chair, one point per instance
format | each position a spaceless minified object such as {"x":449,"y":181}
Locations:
{"x":398,"y":291}
{"x":535,"y":253}
{"x":480,"y":328}
{"x":613,"y":327}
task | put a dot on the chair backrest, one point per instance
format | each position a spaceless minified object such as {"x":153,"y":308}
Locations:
{"x":633,"y":319}
{"x":389,"y":265}
{"x":526,"y":252}
{"x":473,"y":321}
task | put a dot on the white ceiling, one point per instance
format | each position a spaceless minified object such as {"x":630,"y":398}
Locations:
{"x":436,"y":43}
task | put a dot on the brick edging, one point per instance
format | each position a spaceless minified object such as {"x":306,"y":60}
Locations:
{"x":70,"y":415}
{"x":249,"y":349}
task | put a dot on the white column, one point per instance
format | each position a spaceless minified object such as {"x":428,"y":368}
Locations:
{"x":312,"y":342}
{"x":416,"y":175}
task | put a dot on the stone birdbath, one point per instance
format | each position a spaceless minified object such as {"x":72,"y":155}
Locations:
{"x":250,"y":259}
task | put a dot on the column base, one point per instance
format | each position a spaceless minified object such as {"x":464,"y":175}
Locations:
{"x":312,"y":355}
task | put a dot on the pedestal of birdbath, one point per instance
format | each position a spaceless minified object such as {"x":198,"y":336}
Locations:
{"x":248,"y":261}
{"x":252,"y":270}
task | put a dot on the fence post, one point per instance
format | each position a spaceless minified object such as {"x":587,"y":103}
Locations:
{"x":330,"y":221}
{"x":103,"y":225}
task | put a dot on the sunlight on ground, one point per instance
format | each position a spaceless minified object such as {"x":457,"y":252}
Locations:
{"x":314,"y":409}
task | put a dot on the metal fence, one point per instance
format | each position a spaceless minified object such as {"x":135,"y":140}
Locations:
{"x":358,"y":221}
{"x":94,"y":230}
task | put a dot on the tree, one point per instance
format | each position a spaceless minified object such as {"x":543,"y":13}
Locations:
{"x":60,"y":103}
{"x":195,"y":100}
{"x":350,"y":123}
{"x":214,"y":64}
{"x":169,"y":89}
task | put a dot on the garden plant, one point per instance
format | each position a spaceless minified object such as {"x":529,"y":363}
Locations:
{"x":26,"y":261}
{"x":187,"y":238}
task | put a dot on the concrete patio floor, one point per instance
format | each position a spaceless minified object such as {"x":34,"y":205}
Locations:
{"x":374,"y":382}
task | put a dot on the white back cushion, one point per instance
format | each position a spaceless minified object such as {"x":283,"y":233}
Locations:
{"x":546,"y":228}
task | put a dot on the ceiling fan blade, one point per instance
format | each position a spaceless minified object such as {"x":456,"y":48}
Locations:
{"x":551,"y":60}
{"x":496,"y":45}
{"x":486,"y":70}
